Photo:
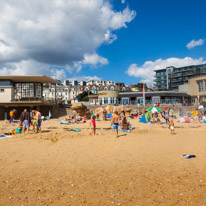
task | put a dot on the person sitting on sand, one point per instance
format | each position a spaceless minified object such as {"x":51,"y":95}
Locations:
{"x":172,"y":127}
{"x":125,"y":124}
{"x":93,"y":123}
{"x":115,"y":122}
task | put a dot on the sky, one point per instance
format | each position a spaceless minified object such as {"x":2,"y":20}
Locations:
{"x":120,"y":40}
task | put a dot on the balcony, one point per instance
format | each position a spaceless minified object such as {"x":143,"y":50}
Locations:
{"x":177,"y":75}
{"x":177,"y":80}
{"x":188,"y":74}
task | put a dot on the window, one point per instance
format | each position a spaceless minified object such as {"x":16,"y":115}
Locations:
{"x":106,"y":100}
{"x":5,"y":83}
{"x":38,"y":90}
{"x":24,"y":90}
{"x":1,"y":90}
{"x":200,"y":86}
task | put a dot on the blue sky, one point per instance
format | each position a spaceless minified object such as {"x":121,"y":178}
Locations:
{"x":161,"y":29}
{"x":120,"y":40}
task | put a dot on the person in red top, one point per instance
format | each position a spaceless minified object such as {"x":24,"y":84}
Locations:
{"x":93,"y":124}
{"x":158,"y":104}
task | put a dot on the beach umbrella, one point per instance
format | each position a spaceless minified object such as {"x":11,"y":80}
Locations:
{"x":165,"y":108}
{"x":154,"y":109}
{"x":194,"y":113}
{"x":201,"y":107}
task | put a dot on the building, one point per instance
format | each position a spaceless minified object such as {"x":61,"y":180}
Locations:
{"x":19,"y":92}
{"x":62,"y":92}
{"x":171,"y":77}
{"x":65,"y":91}
{"x":134,"y":98}
{"x":100,"y":83}
{"x":196,"y":88}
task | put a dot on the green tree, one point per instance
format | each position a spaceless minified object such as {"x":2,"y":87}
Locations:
{"x":84,"y":96}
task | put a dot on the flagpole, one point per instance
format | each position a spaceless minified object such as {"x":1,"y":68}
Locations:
{"x":143,"y":94}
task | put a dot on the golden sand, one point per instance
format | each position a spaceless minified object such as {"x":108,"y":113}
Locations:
{"x":144,"y":167}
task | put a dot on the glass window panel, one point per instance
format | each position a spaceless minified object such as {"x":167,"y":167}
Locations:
{"x":38,"y":90}
{"x":200,"y":86}
{"x":5,"y":83}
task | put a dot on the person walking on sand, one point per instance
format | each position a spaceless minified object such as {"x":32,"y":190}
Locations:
{"x":12,"y":115}
{"x":172,"y":127}
{"x":115,"y":122}
{"x":25,"y":120}
{"x":93,"y":123}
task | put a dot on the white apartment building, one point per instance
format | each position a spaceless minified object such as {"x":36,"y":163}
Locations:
{"x":67,"y":90}
{"x":100,"y":83}
{"x":62,"y":92}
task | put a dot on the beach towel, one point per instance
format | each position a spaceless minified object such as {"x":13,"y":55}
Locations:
{"x":186,"y":156}
{"x":76,"y":130}
{"x":2,"y":136}
{"x":64,"y":122}
{"x":123,"y":130}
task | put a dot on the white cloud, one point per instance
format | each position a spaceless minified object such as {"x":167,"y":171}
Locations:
{"x":31,"y":67}
{"x":109,"y":37}
{"x":57,"y":32}
{"x":123,"y":1}
{"x":85,"y":78}
{"x":94,"y":59}
{"x":195,"y":43}
{"x":146,"y":71}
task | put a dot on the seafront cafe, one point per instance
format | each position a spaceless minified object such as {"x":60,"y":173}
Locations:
{"x":20,"y":92}
{"x":154,"y":97}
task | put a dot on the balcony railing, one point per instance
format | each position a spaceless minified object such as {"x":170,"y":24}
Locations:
{"x":29,"y":99}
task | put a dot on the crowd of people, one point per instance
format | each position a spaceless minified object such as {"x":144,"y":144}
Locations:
{"x":33,"y":122}
{"x":28,"y":122}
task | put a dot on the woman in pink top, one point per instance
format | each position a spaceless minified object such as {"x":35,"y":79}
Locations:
{"x":93,"y":124}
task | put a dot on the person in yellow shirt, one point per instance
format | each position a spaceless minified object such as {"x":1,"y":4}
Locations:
{"x":11,"y":115}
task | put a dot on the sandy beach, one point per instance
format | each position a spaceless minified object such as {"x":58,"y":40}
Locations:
{"x":144,"y":167}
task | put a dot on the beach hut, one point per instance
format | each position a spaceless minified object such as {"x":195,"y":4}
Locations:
{"x":72,"y":101}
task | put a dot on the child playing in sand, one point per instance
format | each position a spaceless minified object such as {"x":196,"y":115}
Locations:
{"x":172,"y":127}
{"x":93,"y":123}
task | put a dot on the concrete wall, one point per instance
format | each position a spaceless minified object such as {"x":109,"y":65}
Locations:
{"x":185,"y":88}
{"x":194,"y":86}
{"x":6,"y":96}
{"x":102,"y":94}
